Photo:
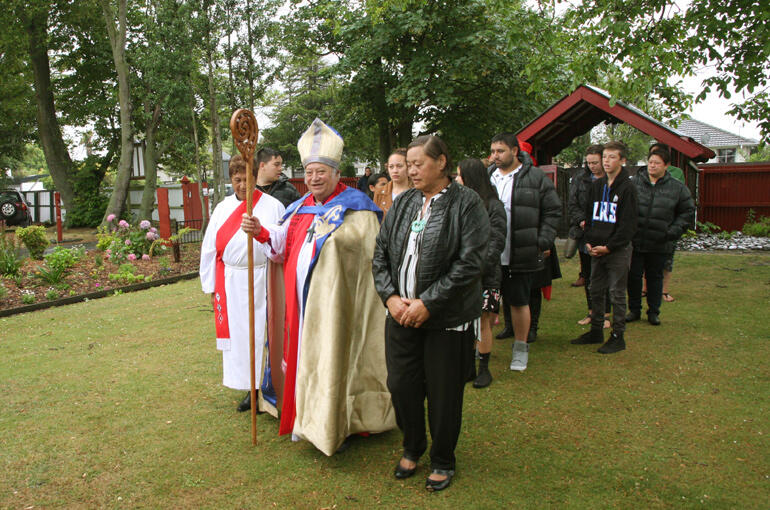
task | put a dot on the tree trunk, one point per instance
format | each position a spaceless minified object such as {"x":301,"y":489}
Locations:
{"x":56,"y":156}
{"x":216,"y":135}
{"x":199,"y":171}
{"x":118,"y":43}
{"x":383,"y":136}
{"x":250,"y":60}
{"x":150,"y":163}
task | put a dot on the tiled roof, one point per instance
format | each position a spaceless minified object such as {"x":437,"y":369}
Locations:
{"x":712,"y":136}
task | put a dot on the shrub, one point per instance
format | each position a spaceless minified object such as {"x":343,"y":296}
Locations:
{"x":63,"y":257}
{"x":51,"y":294}
{"x":51,"y":275}
{"x":27,"y":297}
{"x":9,"y":257}
{"x":126,"y":274}
{"x":707,"y":227}
{"x":34,"y":239}
{"x":756,"y":228}
{"x":122,"y":241}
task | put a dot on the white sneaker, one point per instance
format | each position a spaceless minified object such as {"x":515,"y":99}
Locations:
{"x":520,"y":356}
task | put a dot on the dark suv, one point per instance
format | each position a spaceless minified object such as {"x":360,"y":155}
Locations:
{"x":13,"y":208}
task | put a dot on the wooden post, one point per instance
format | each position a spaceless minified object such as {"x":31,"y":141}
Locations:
{"x":243,"y":125}
{"x":57,"y":201}
{"x":164,"y":213}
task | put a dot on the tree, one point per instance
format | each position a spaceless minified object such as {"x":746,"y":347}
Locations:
{"x":117,"y":33}
{"x":641,"y":48}
{"x":34,"y":17}
{"x":408,"y":63}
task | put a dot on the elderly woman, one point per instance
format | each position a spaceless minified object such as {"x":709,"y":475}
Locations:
{"x":427,"y":270}
{"x":399,"y":180}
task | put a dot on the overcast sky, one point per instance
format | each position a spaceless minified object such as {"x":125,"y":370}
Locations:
{"x":713,"y":110}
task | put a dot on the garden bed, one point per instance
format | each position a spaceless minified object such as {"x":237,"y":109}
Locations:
{"x":92,"y":276}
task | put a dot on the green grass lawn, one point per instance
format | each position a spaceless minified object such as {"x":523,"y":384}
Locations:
{"x":117,"y":402}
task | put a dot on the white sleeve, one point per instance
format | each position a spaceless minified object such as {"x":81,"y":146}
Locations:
{"x":208,"y":267}
{"x":276,"y":246}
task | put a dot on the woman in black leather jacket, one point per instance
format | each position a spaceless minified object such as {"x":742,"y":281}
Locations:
{"x":472,"y":174}
{"x":427,"y":269}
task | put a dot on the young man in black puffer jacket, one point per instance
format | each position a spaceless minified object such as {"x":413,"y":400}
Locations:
{"x":533,"y":208}
{"x":666,"y":211}
{"x":271,"y":180}
{"x":611,"y":216}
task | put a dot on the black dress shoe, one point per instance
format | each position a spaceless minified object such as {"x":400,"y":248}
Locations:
{"x":245,"y":404}
{"x":402,"y":472}
{"x":439,"y":485}
{"x":633,"y":316}
{"x":653,"y":319}
{"x":505,"y":333}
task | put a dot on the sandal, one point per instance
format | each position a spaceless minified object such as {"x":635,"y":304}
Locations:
{"x":668,"y":297}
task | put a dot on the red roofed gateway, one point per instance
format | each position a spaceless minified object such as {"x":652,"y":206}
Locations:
{"x":587,"y":106}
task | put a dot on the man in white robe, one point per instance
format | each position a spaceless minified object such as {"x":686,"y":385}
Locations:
{"x":224,"y":274}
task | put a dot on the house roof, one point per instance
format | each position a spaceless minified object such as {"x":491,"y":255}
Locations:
{"x":713,"y":136}
{"x":575,"y":114}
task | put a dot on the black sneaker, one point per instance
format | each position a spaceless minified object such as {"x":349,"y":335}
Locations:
{"x":633,"y":316}
{"x":653,"y":319}
{"x":615,"y":343}
{"x":532,"y":336}
{"x":593,"y":336}
{"x":505,"y":333}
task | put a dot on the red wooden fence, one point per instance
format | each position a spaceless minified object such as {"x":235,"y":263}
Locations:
{"x":726,"y":192}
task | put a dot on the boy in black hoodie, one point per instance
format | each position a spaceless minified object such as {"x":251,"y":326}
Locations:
{"x":612,"y":219}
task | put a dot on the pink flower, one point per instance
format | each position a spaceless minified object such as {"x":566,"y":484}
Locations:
{"x":144,"y":224}
{"x":108,"y":252}
{"x":150,"y":236}
{"x":153,"y":230}
{"x":123,"y":224}
{"x":131,"y":256}
{"x":128,"y":242}
{"x":98,"y":285}
{"x":145,"y":257}
{"x":110,"y":218}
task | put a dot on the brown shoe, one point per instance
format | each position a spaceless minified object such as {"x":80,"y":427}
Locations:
{"x":579,"y":282}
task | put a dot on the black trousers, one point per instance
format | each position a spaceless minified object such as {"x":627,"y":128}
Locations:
{"x":650,"y":266}
{"x":432,"y":364}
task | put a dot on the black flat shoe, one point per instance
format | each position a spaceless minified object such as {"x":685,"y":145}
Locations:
{"x":439,"y":485}
{"x":505,"y":333}
{"x":245,"y":404}
{"x":402,"y":472}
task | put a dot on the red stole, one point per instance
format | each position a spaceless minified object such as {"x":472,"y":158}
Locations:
{"x":225,"y":233}
{"x":295,"y":237}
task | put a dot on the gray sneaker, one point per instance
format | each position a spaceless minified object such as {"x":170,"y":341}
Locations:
{"x":520,"y":356}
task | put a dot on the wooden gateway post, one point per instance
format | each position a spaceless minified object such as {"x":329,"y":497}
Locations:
{"x":243,"y":125}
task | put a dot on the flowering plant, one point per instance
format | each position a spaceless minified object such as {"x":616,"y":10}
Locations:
{"x":122,"y":241}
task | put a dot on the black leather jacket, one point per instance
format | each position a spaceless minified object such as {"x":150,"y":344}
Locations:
{"x":451,"y":256}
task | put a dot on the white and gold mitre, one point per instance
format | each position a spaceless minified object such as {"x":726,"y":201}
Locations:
{"x":320,"y":144}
